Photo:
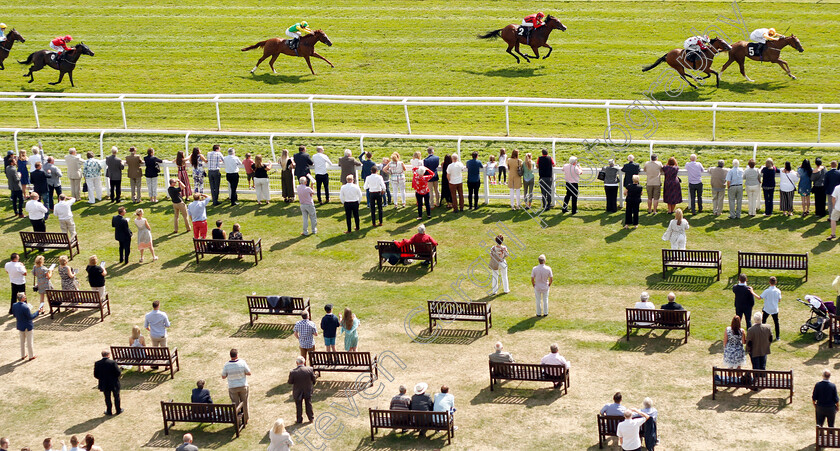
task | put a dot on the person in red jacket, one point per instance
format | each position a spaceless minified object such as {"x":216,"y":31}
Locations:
{"x":532,"y":22}
{"x":405,"y":258}
{"x":59,"y":45}
{"x":420,"y":183}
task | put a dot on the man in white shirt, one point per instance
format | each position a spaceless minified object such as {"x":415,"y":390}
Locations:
{"x":236,"y":372}
{"x":37,"y":212}
{"x":350,"y":195}
{"x":572,"y":171}
{"x":375,"y":185}
{"x":444,"y":401}
{"x":17,"y":277}
{"x":541,"y":279}
{"x":644,"y":303}
{"x":156,"y":322}
{"x":628,"y":430}
{"x":232,"y":164}
{"x":455,"y":174}
{"x":835,"y":212}
{"x":554,"y":358}
{"x":74,"y":172}
{"x":695,"y":183}
{"x":320,"y":164}
{"x":735,"y":184}
{"x":771,"y":297}
{"x":65,"y":215}
{"x":215,"y":161}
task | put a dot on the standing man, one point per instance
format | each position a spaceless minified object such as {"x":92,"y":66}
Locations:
{"x":695,"y":183}
{"x":17,"y":278}
{"x":473,"y":181}
{"x":367,"y":163}
{"x":735,"y":186}
{"x":302,"y":379}
{"x":156,"y":322}
{"x":232,"y":163}
{"x":832,"y":180}
{"x":180,"y":208}
{"x":572,"y":172}
{"x":53,"y":182}
{"x":305,"y":332}
{"x":23,"y":323}
{"x":375,"y":187}
{"x":628,"y":430}
{"x":329,"y":325}
{"x":653,"y":184}
{"x":350,"y":195}
{"x":320,"y":163}
{"x":215,"y":161}
{"x":64,"y":212}
{"x":135,"y":173}
{"x":13,"y":177}
{"x":771,"y":297}
{"x":39,"y":185}
{"x":37,"y":213}
{"x":302,"y":162}
{"x":307,"y":206}
{"x":744,"y":299}
{"x":122,"y":233}
{"x":74,"y":172}
{"x":236,"y":372}
{"x":432,"y":162}
{"x":545,"y":167}
{"x":348,"y":165}
{"x":718,"y":181}
{"x":541,"y":279}
{"x":825,"y":399}
{"x":630,"y":169}
{"x":835,"y":210}
{"x":198,"y":212}
{"x":108,"y":373}
{"x":113,"y":170}
{"x":759,"y":338}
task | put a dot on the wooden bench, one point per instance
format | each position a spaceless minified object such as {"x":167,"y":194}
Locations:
{"x":72,"y":299}
{"x":258,"y":305}
{"x":460,"y":311}
{"x":49,"y":240}
{"x":420,"y":251}
{"x":834,"y":327}
{"x":607,"y":426}
{"x":412,"y":419}
{"x":827,"y":438}
{"x":674,"y":258}
{"x":658,"y":319}
{"x":188,"y":412}
{"x":529,"y":372}
{"x":345,"y":362}
{"x":228,"y":247}
{"x":752,"y":379}
{"x":147,"y":356}
{"x":764,"y":260}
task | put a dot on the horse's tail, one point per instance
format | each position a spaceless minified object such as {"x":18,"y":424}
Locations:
{"x":28,"y":60}
{"x":658,"y":62}
{"x":491,"y":34}
{"x":257,"y":45}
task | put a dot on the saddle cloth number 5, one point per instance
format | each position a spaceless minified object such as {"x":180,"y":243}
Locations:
{"x":752,"y":51}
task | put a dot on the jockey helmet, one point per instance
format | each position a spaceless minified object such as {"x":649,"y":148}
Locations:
{"x":771,"y":32}
{"x":304,"y":24}
{"x":540,"y":15}
{"x":67,"y":38}
{"x":2,"y":26}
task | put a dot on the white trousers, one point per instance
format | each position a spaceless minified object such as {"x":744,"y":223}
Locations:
{"x":398,"y":184}
{"x":261,"y":187}
{"x":753,"y":193}
{"x":292,"y":35}
{"x":542,"y":301}
{"x":94,"y":185}
{"x":515,"y":197}
{"x":495,"y":278}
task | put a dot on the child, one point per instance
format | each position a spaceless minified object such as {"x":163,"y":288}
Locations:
{"x":491,"y":170}
{"x":249,"y":170}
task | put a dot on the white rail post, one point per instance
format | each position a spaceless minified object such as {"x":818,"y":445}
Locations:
{"x":101,"y":144}
{"x":17,"y":151}
{"x":486,"y":188}
{"x":122,"y":107}
{"x":651,"y":150}
{"x":714,"y":120}
{"x":507,"y":117}
{"x":755,"y":150}
{"x":35,"y":109}
{"x":459,"y":148}
{"x":186,"y":144}
{"x":407,"y":120}
{"x":819,"y":122}
{"x":218,"y":116}
{"x":312,"y":113}
{"x":271,"y":143}
{"x":361,"y":145}
{"x":554,"y":149}
{"x":609,"y":128}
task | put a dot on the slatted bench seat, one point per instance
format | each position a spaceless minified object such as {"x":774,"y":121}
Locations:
{"x":228,"y":247}
{"x":675,"y":258}
{"x":346,"y":362}
{"x":71,"y":299}
{"x":460,"y":311}
{"x":187,"y":412}
{"x":658,"y":319}
{"x":607,"y":426}
{"x":49,"y":240}
{"x":827,"y":438}
{"x":781,"y":262}
{"x":834,"y":327}
{"x":752,"y":379}
{"x":258,"y":305}
{"x":529,"y":372}
{"x":147,"y":356}
{"x":421,"y":251}
{"x":412,"y":419}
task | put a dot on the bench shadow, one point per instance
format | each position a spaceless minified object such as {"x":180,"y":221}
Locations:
{"x":341,"y":389}
{"x":396,"y":274}
{"x":679,"y":282}
{"x":145,"y":380}
{"x":727,"y":401}
{"x":70,"y":321}
{"x":512,"y":393}
{"x":264,"y":330}
{"x":220,"y":265}
{"x":761,"y":282}
{"x":450,"y":336}
{"x":87,"y":425}
{"x":394,"y":439}
{"x":650,"y":344}
{"x":202,"y":438}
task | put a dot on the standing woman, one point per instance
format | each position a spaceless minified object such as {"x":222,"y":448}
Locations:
{"x":386,"y":177}
{"x":672,"y":191}
{"x":96,"y":276}
{"x":144,"y":235}
{"x":181,"y":162}
{"x":502,"y":165}
{"x":261,"y":179}
{"x":632,"y":199}
{"x":151,"y":172}
{"x":804,"y":172}
{"x":42,"y":276}
{"x":768,"y":185}
{"x":350,"y":329}
{"x":528,"y":179}
{"x":249,"y":170}
{"x":197,"y":161}
{"x":733,"y":345}
{"x":287,"y":182}
{"x":676,"y":230}
{"x":69,"y":282}
{"x":515,"y":182}
{"x":611,"y":185}
{"x":787,"y":185}
{"x":445,"y":193}
{"x":752,"y":183}
{"x":416,"y":160}
{"x":396,"y":169}
{"x":22,"y":163}
{"x":818,"y":178}
{"x":498,"y":264}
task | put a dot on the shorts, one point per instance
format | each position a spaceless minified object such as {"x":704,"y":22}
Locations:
{"x":835,"y":214}
{"x":653,"y":191}
{"x":329,"y":341}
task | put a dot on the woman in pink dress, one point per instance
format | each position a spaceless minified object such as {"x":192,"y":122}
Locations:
{"x":183,"y":175}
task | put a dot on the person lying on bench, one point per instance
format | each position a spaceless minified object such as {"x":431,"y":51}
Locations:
{"x":420,"y":237}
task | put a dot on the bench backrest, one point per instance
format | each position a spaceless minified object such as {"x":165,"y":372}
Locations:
{"x":828,"y":437}
{"x":188,"y":411}
{"x":387,"y":246}
{"x":455,"y":308}
{"x":261,"y":302}
{"x":422,"y":249}
{"x":73,"y":296}
{"x":608,"y":424}
{"x":657,"y":316}
{"x":530,"y":371}
{"x":690,"y":256}
{"x":242,"y":246}
{"x":385,"y":418}
{"x":45,"y":237}
{"x":780,"y":261}
{"x":767,"y":378}
{"x":318,"y":358}
{"x":139,"y":353}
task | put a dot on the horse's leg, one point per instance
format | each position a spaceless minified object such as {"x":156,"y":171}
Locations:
{"x":717,"y":77}
{"x":527,"y":59}
{"x":258,"y":63}
{"x":309,"y":63}
{"x":784,"y":65}
{"x":316,"y":55}
{"x":510,"y":47}
{"x":2,"y":67}
{"x":60,"y":77}
{"x":536,"y":52}
{"x":726,"y":64}
{"x":70,"y":74}
{"x":271,"y":63}
{"x":741,"y":65}
{"x":550,"y":49}
{"x":681,"y":71}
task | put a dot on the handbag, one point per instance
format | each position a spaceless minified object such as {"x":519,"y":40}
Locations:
{"x":521,"y":170}
{"x":84,"y":187}
{"x":667,"y":235}
{"x":602,"y":175}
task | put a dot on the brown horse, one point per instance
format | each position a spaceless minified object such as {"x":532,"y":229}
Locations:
{"x":677,"y":59}
{"x":43,"y":58}
{"x":306,"y":47}
{"x":772,"y":52}
{"x":6,"y":46}
{"x":538,"y":38}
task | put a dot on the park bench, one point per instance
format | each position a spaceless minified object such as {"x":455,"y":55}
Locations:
{"x":147,"y":356}
{"x":782,"y":262}
{"x":420,"y":251}
{"x":827,"y":438}
{"x":834,"y":327}
{"x":658,"y":319}
{"x":460,"y":311}
{"x":607,"y":425}
{"x":345,"y":362}
{"x":228,"y":247}
{"x":412,"y":419}
{"x":188,"y":412}
{"x":49,"y":240}
{"x":258,"y":305}
{"x":72,"y":299}
{"x":529,"y":372}
{"x":752,"y":379}
{"x":675,"y":258}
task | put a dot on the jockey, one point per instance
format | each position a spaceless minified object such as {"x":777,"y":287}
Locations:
{"x":59,"y":45}
{"x":695,"y":45}
{"x":761,"y":35}
{"x":296,"y":31}
{"x":2,"y":32}
{"x":532,"y":22}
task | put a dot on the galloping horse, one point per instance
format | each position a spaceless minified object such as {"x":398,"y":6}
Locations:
{"x":306,"y":47}
{"x":538,"y":38}
{"x":677,"y":59}
{"x":42,"y":58}
{"x":6,"y":46}
{"x":772,"y":52}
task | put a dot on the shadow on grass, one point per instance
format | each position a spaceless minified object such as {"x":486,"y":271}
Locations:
{"x":279,"y":246}
{"x":120,"y":269}
{"x":70,"y":321}
{"x":511,"y":72}
{"x":341,"y":389}
{"x":264,"y":330}
{"x":202,"y":438}
{"x":745,"y":87}
{"x":145,"y":380}
{"x":87,"y":425}
{"x":219,"y":265}
{"x":679,"y":282}
{"x":450,"y":336}
{"x":277,"y":79}
{"x":525,"y":324}
{"x":11,"y":366}
{"x":762,"y":281}
{"x":649,"y":344}
{"x":395,"y":439}
{"x":396,"y":274}
{"x":512,"y":393}
{"x":746,"y":403}
{"x":618,"y":236}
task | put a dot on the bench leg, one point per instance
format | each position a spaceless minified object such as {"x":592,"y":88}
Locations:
{"x":628,"y":334}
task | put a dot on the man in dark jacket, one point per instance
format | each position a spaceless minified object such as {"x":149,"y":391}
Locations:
{"x":421,"y":401}
{"x":122,"y":233}
{"x":759,"y":337}
{"x":24,"y":325}
{"x":629,"y":169}
{"x":744,"y":299}
{"x":832,"y":180}
{"x":432,"y":162}
{"x":38,"y":178}
{"x":825,"y":399}
{"x":108,"y":373}
{"x":113,"y":170}
{"x":302,"y":379}
{"x":201,"y":394}
{"x":302,"y":163}
{"x":545,"y":167}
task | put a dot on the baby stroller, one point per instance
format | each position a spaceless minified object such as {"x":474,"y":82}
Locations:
{"x":819,"y":320}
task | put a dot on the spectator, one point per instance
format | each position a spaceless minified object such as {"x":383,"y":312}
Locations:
{"x":771,"y":297}
{"x":152,"y":165}
{"x":69,"y":282}
{"x":367,"y":162}
{"x":24,"y":325}
{"x":630,"y":169}
{"x":107,"y":372}
{"x":320,"y":163}
{"x":348,"y":165}
{"x":503,"y":166}
{"x":280,"y":439}
{"x":113,"y":170}
{"x":825,"y":399}
{"x":628,"y":430}
{"x":215,"y":161}
{"x":420,"y":237}
{"x":235,"y":233}
{"x":473,"y":180}
{"x":695,"y":183}
{"x":48,"y":446}
{"x":804,"y":173}
{"x":248,"y":163}
{"x":217,"y":233}
{"x":400,"y":401}
{"x":545,"y":165}
{"x":134,"y":172}
{"x":15,"y":187}
{"x":386,"y":177}
{"x":302,"y":163}
{"x":733,"y":345}
{"x":53,"y":181}
{"x":74,"y":172}
{"x":39,"y":185}
{"x":572,"y":172}
{"x":444,"y":401}
{"x":136,"y":340}
{"x":752,"y":184}
{"x":305,"y":332}
{"x":122,"y":233}
{"x":610,"y":172}
{"x":818,"y":178}
{"x":74,"y":444}
{"x":768,"y":185}
{"x":422,"y":402}
{"x":718,"y":181}
{"x":200,"y":394}
{"x":37,"y":213}
{"x":650,"y":423}
{"x":432,"y":162}
{"x":287,"y":182}
{"x":672,"y":303}
{"x":759,"y":338}
{"x":260,"y":174}
{"x":541,"y":279}
{"x":183,"y":175}
{"x":420,"y":184}
{"x":17,"y":278}
{"x":445,"y":191}
{"x":375,"y":187}
{"x":787,"y":185}
{"x":498,"y":264}
{"x":632,"y":200}
{"x":4,"y":444}
{"x":236,"y":372}
{"x":89,"y":446}
{"x":42,"y":276}
{"x":144,"y":235}
{"x":198,"y":163}
{"x":676,"y":231}
{"x":734,"y":185}
{"x":329,"y":326}
{"x":514,"y":165}
{"x":36,"y":155}
{"x":350,"y":330}
{"x":23,"y":169}
{"x":307,"y":206}
{"x":744,"y":299}
{"x":178,"y":205}
{"x":832,"y":180}
{"x":64,"y":213}
{"x":350,"y":195}
{"x":198,"y":212}
{"x":156,"y":322}
{"x":302,"y":379}
{"x":835,"y":212}
{"x":672,"y":192}
{"x":187,"y":445}
{"x":528,"y":180}
{"x":96,"y":276}
{"x":554,"y":358}
{"x":653,"y":185}
{"x":490,"y":170}
{"x":455,"y":174}
{"x":232,"y":164}
{"x":614,"y":409}
{"x":396,"y":172}
{"x":644,"y":302}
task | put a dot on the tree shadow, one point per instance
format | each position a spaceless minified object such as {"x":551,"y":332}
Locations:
{"x":510,"y":72}
{"x":525,"y":324}
{"x":516,"y":395}
{"x":678,"y":282}
{"x":264,"y":330}
{"x":745,"y":403}
{"x":277,"y":79}
{"x":396,"y":274}
{"x":87,"y":425}
{"x":450,"y":336}
{"x":649,"y":344}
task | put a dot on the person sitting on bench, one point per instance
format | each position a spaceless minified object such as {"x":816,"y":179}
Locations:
{"x":554,"y":358}
{"x":201,"y":394}
{"x":420,"y":237}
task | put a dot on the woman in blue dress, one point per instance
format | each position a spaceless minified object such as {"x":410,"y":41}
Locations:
{"x":23,"y":168}
{"x":350,"y":329}
{"x":804,"y":187}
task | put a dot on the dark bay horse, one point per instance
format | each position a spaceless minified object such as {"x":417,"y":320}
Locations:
{"x":6,"y":46}
{"x":677,"y":59}
{"x":306,"y":48}
{"x":43,"y":58}
{"x":538,"y":38}
{"x":772,"y":52}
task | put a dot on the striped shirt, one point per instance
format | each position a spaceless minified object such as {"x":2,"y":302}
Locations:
{"x":235,"y":372}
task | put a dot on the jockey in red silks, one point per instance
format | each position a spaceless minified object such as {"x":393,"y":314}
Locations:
{"x":59,"y":45}
{"x":530,"y":23}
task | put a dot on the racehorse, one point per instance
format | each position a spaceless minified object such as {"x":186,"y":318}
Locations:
{"x":677,"y":59}
{"x":6,"y":46}
{"x":772,"y":52}
{"x":306,"y":47}
{"x":538,"y":38}
{"x":42,"y":58}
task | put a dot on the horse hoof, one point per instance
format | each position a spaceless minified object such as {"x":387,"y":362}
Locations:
{"x":793,"y":77}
